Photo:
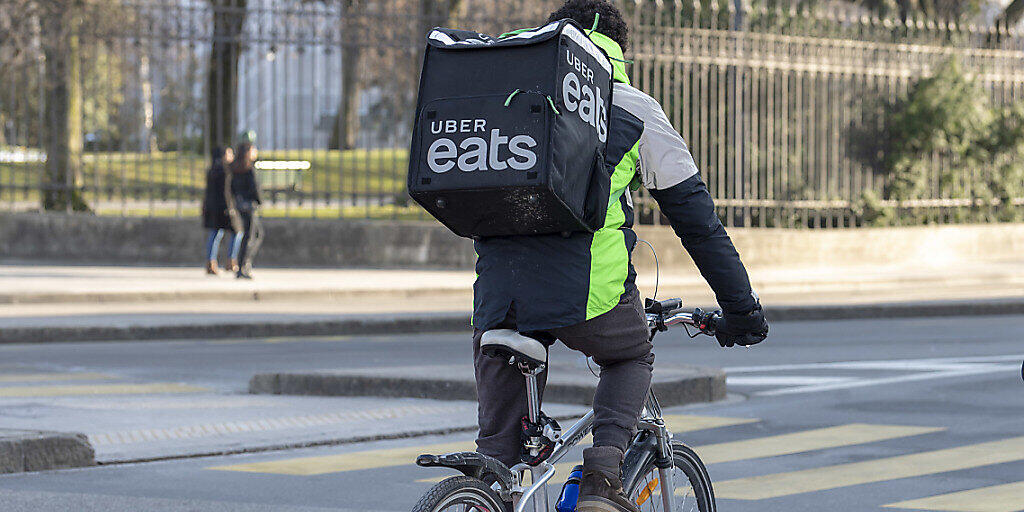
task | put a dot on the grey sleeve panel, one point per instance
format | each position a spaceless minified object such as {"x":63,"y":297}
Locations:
{"x":665,"y":160}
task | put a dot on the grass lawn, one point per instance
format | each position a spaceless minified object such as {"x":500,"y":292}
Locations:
{"x":413,"y":212}
{"x":170,"y":176}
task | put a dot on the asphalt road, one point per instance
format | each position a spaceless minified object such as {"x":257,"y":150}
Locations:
{"x":913,"y":414}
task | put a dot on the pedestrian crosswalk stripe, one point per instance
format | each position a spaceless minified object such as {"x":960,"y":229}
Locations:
{"x":677,"y":423}
{"x":96,"y":389}
{"x":806,"y":441}
{"x":372,"y":459}
{"x":45,"y":377}
{"x":998,"y":498}
{"x":871,"y":471}
{"x":797,"y":442}
{"x":688,"y":423}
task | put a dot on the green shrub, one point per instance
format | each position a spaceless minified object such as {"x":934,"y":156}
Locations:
{"x":945,"y":139}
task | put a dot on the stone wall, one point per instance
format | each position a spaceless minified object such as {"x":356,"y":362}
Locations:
{"x":385,"y":244}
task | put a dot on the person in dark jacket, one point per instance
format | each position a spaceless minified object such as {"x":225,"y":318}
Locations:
{"x":243,"y":196}
{"x":216,"y":217}
{"x":580,"y":288}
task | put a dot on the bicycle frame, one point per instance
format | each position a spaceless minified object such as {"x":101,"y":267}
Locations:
{"x":650,"y":420}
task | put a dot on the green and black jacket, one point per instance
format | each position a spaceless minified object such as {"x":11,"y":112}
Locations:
{"x":550,"y":281}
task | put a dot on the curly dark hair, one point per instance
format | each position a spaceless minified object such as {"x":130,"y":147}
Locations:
{"x":610,"y":23}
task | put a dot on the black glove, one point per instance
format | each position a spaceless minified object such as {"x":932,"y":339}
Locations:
{"x":745,"y":330}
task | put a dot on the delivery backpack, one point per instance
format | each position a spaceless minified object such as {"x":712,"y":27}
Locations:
{"x":510,"y":133}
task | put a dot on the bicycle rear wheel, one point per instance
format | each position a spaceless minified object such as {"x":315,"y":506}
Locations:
{"x":693,"y":491}
{"x":460,"y":494}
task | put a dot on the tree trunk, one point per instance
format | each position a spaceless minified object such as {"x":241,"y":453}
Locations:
{"x":346,"y":128}
{"x":345,"y":131}
{"x":1013,"y":13}
{"x":434,"y":13}
{"x":222,"y":73}
{"x":1006,"y":20}
{"x":62,"y":111}
{"x":147,"y":138}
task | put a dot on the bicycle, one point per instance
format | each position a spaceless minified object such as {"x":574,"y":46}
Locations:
{"x":486,"y":483}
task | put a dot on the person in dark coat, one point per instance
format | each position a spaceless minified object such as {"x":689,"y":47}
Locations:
{"x":216,"y":217}
{"x":243,"y":196}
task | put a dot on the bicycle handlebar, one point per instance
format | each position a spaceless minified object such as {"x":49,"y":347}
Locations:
{"x":663,"y":314}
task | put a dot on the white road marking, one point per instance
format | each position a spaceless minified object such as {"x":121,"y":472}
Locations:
{"x":942,"y":363}
{"x":923,"y":369}
{"x":917,"y":377}
{"x":784,"y":380}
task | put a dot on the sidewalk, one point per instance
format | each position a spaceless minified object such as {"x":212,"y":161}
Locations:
{"x":124,"y":428}
{"x":63,"y":303}
{"x":48,"y":284}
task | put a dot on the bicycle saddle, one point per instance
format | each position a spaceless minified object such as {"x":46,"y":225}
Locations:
{"x":508,"y":343}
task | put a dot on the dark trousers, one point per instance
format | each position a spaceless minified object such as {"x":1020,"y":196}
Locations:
{"x":251,"y":238}
{"x":618,"y":342}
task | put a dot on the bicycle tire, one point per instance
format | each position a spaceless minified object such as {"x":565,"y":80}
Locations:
{"x":687,"y":464}
{"x":460,"y":490}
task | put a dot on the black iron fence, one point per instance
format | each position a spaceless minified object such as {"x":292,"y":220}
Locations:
{"x":809,"y":117}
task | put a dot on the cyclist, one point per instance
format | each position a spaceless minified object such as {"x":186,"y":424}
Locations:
{"x":580,"y":289}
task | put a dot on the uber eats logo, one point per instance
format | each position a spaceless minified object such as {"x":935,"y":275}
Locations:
{"x":496,"y":152}
{"x":584,"y":98}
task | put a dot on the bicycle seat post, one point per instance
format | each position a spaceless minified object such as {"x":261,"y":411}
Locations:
{"x":540,"y":499}
{"x":532,"y":391}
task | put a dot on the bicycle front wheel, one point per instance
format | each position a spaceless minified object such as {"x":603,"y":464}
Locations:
{"x":693,"y":491}
{"x":460,"y":494}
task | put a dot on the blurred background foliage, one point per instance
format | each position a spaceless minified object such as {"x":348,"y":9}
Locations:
{"x":948,"y":116}
{"x":125,"y":100}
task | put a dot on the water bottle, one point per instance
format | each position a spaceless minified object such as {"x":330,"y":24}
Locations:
{"x":570,"y":491}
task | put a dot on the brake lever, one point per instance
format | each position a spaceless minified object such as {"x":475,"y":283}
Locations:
{"x":705,"y":321}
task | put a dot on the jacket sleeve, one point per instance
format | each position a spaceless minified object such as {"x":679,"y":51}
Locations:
{"x":663,"y":159}
{"x":691,"y":212}
{"x":666,"y":168}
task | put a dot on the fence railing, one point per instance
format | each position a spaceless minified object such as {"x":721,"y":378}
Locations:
{"x":114,"y":105}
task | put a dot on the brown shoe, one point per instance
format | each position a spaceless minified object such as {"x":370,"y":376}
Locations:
{"x":601,"y":486}
{"x":600,"y":493}
{"x":234,"y":265}
{"x":211,"y":268}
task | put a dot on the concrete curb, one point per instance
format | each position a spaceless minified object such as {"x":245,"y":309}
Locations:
{"x":228,"y":295}
{"x":29,"y":450}
{"x":690,"y":385}
{"x":459,"y":322}
{"x":395,"y":325}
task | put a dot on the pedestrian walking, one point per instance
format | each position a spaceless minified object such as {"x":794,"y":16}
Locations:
{"x":216,"y":217}
{"x":244,"y":199}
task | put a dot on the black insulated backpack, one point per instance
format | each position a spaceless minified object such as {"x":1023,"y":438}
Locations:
{"x":510,"y":133}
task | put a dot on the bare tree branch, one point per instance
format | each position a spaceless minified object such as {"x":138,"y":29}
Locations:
{"x":1012,"y":14}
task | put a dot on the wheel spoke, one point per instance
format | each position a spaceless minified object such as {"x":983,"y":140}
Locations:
{"x":648,"y":498}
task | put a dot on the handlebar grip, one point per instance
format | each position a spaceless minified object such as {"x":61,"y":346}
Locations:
{"x":663,"y":306}
{"x":671,"y":305}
